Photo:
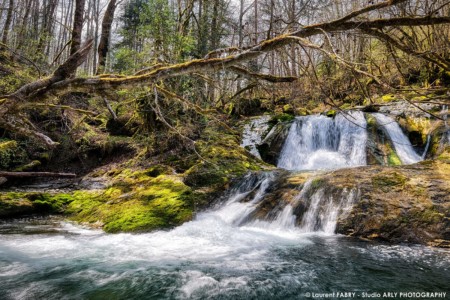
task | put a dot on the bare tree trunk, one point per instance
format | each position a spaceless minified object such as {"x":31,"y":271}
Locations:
{"x":8,"y":22}
{"x":103,"y":46}
{"x":77,"y":26}
{"x":96,"y":20}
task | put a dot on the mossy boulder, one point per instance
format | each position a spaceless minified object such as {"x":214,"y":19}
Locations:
{"x":221,"y":160}
{"x":137,"y":201}
{"x":281,"y":118}
{"x":14,"y":204}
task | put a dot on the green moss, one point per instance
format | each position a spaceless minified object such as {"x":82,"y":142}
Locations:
{"x":331,"y":113}
{"x":393,"y":159}
{"x":288,"y":109}
{"x":11,"y":154}
{"x":157,"y":170}
{"x":445,"y":155}
{"x":44,"y":202}
{"x":388,"y":98}
{"x":13,"y":204}
{"x":428,"y":216}
{"x":301,"y":111}
{"x":371,"y":121}
{"x":317,"y":183}
{"x":346,"y":106}
{"x":222,"y":160}
{"x":136,"y":202}
{"x":281,"y":118}
{"x":28,"y":166}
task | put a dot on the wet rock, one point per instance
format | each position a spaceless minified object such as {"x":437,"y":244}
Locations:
{"x":271,"y":146}
{"x":403,"y":204}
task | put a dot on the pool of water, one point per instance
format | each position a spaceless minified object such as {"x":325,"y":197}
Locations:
{"x":207,"y":258}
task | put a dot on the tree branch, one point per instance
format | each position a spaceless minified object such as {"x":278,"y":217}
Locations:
{"x":266,"y":77}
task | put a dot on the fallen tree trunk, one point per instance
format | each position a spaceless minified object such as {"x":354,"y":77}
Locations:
{"x":36,"y":174}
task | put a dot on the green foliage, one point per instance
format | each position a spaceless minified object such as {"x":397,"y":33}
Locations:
{"x":150,"y":35}
{"x":127,"y":60}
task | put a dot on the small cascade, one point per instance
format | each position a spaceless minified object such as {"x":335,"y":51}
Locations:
{"x":253,"y":132}
{"x":323,"y":209}
{"x":319,"y":142}
{"x":402,"y":145}
{"x":243,"y":199}
{"x":312,"y":210}
{"x":424,"y":154}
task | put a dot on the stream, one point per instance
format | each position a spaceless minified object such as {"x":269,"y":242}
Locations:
{"x":208,"y":258}
{"x":225,"y":253}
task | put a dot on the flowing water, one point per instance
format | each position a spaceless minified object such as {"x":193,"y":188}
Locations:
{"x":236,"y":250}
{"x":402,"y":145}
{"x":208,"y":258}
{"x":319,"y":142}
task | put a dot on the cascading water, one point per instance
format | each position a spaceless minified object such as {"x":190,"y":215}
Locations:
{"x":235,"y":251}
{"x":321,"y":209}
{"x":402,"y":145}
{"x":324,"y":210}
{"x":427,"y":145}
{"x":319,"y":142}
{"x":252,"y":188}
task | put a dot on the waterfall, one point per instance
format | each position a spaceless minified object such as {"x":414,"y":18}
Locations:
{"x":253,"y":132}
{"x":312,"y":210}
{"x":402,"y":145}
{"x":319,"y":142}
{"x":323,"y":207}
{"x":426,"y":147}
{"x":242,"y":200}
